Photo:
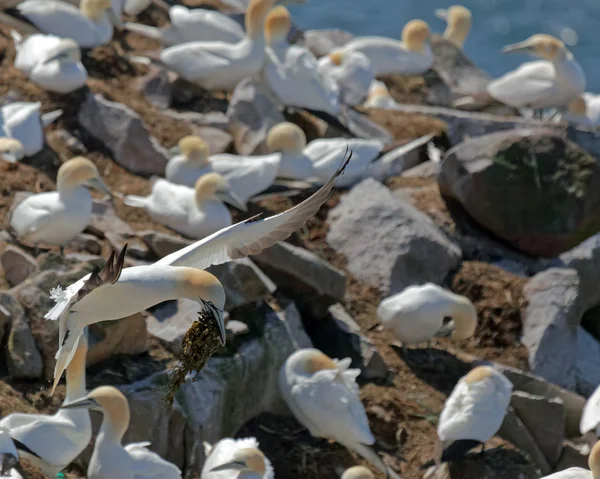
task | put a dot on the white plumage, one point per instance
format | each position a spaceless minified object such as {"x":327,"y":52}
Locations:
{"x":352,"y":72}
{"x":379,"y":97}
{"x":223,"y":452}
{"x":590,"y":419}
{"x":584,"y":110}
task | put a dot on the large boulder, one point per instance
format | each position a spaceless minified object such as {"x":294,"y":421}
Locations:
{"x":387,"y":242}
{"x":533,"y":188}
{"x":17,"y":265}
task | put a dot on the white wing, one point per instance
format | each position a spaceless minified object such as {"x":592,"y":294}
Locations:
{"x":590,"y":418}
{"x":194,"y":60}
{"x":204,"y":25}
{"x":148,"y":464}
{"x":33,"y":50}
{"x":253,"y":235}
{"x":529,"y":84}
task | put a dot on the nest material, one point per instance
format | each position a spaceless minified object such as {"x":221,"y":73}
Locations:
{"x":199,"y":344}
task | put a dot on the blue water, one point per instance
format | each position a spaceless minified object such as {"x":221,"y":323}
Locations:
{"x":495,"y":23}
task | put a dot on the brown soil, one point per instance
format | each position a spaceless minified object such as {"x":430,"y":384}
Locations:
{"x":402,"y":413}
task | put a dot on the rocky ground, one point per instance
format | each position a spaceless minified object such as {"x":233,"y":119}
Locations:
{"x":336,"y":289}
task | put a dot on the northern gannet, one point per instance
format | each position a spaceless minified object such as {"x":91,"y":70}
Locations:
{"x":53,"y":63}
{"x":192,"y":25}
{"x":56,"y":217}
{"x":11,"y":150}
{"x":411,"y":56}
{"x":552,"y":82}
{"x":236,"y":459}
{"x":352,"y":72}
{"x":417,"y":314}
{"x":357,"y":472}
{"x":90,"y":25}
{"x":584,"y":109}
{"x":23,"y":121}
{"x":323,"y":396}
{"x":194,"y":212}
{"x":220,"y":65}
{"x":291,"y":72}
{"x":288,"y":140}
{"x":110,"y":460}
{"x":380,"y":97}
{"x":472,"y":414}
{"x":578,"y":472}
{"x":590,"y":419}
{"x":51,"y":443}
{"x":191,"y":163}
{"x":116,"y":293}
{"x":459,"y":20}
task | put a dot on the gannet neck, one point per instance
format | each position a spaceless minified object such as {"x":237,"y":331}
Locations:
{"x":277,"y":26}
{"x":594,"y":461}
{"x":415,"y":35}
{"x":76,"y":372}
{"x":116,"y":412}
{"x":459,"y":25}
{"x":195,"y":150}
{"x":95,"y":9}
{"x":465,"y":317}
{"x":286,"y":138}
{"x":256,"y":14}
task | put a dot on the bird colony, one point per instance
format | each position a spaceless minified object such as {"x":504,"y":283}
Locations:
{"x":219,"y":132}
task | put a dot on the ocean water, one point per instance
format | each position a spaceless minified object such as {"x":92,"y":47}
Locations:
{"x":496,"y":23}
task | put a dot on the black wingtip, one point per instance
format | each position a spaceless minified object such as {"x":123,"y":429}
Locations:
{"x":455,"y":451}
{"x":347,"y":157}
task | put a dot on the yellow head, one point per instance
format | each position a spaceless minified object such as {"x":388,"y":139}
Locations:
{"x":478,"y":374}
{"x":194,"y":149}
{"x":337,"y":57}
{"x":415,"y":35}
{"x":78,"y":172}
{"x":578,"y":107}
{"x":286,"y":138}
{"x":459,"y":21}
{"x":245,"y":460}
{"x":213,"y":185}
{"x":594,"y":461}
{"x":93,"y":9}
{"x":11,"y":150}
{"x":277,"y":25}
{"x":542,"y":46}
{"x":358,"y":472}
{"x":319,"y":361}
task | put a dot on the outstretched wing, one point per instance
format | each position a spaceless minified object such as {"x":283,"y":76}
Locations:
{"x":253,"y":235}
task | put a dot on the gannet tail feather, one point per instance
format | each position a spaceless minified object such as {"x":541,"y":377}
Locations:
{"x":456,"y":450}
{"x":135,"y":201}
{"x":145,"y":30}
{"x":51,"y":117}
{"x":369,"y":453}
{"x":65,"y":354}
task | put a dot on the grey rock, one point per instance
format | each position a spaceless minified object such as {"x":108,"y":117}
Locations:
{"x":156,"y":87}
{"x":54,"y":261}
{"x":105,"y":220}
{"x":362,"y":126}
{"x":428,"y":169}
{"x":550,"y":325}
{"x":23,"y":359}
{"x":585,"y":259}
{"x":9,"y":308}
{"x":163,"y":244}
{"x":573,"y":455}
{"x":17,"y":265}
{"x":218,"y":141}
{"x":86,"y":242}
{"x":243,"y":282}
{"x":170,"y":321}
{"x":124,"y":133}
{"x":587,"y":360}
{"x":252,"y":114}
{"x":322,"y":42}
{"x":545,"y":420}
{"x":387,"y":242}
{"x":214,"y":119}
{"x":312,"y":282}
{"x":122,"y":336}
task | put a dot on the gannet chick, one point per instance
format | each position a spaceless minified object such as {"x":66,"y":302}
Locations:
{"x":55,"y":218}
{"x":380,"y":97}
{"x":23,"y":121}
{"x":11,"y":150}
{"x":352,"y":72}
{"x":191,"y":163}
{"x":291,"y":72}
{"x":417,"y":314}
{"x":116,"y":293}
{"x":323,"y":396}
{"x":219,"y":65}
{"x":578,"y":472}
{"x":52,"y":63}
{"x":289,"y":140}
{"x":192,"y":25}
{"x":459,"y":21}
{"x":90,"y":25}
{"x":357,"y":472}
{"x":110,"y":459}
{"x":51,"y":443}
{"x":236,"y":459}
{"x":411,"y":56}
{"x":472,"y":414}
{"x":194,"y":212}
{"x":585,"y":110}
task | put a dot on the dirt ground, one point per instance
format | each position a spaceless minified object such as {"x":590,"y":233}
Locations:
{"x":403,"y":412}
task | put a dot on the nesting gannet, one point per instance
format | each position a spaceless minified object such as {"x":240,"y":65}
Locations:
{"x":221,"y":65}
{"x":584,"y":109}
{"x":90,"y":25}
{"x":51,"y":443}
{"x":247,"y":175}
{"x":323,"y":396}
{"x":578,"y":472}
{"x":23,"y":121}
{"x":192,"y":25}
{"x":56,"y":217}
{"x":352,"y":72}
{"x":51,"y":62}
{"x":411,"y":56}
{"x":459,"y":21}
{"x":380,"y":97}
{"x":357,"y":472}
{"x":417,"y":314}
{"x":552,"y":82}
{"x":11,"y":150}
{"x":110,"y":460}
{"x":289,"y":141}
{"x":473,"y":413}
{"x":115,"y":294}
{"x":194,"y":212}
{"x":236,"y":459}
{"x":291,"y":72}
